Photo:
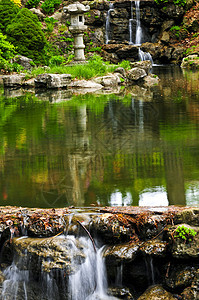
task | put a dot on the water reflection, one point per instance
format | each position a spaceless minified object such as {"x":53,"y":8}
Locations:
{"x":139,"y":148}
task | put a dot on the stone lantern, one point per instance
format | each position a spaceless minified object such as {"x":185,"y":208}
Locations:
{"x":77,"y":27}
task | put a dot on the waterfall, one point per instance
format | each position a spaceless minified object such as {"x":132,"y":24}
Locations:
{"x":145,"y":56}
{"x":138,"y":36}
{"x":130,"y":25}
{"x":108,"y":27}
{"x":90,"y":281}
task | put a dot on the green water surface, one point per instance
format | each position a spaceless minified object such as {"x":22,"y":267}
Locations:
{"x":136,"y":147}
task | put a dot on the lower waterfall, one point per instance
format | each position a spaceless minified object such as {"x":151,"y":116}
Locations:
{"x":85,"y":280}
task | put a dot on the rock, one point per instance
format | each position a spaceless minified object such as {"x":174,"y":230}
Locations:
{"x":49,"y":253}
{"x":38,"y":12}
{"x":178,"y":54}
{"x":180,"y":277}
{"x":165,"y":37}
{"x":123,"y":252}
{"x":156,"y":292}
{"x":153,"y":248}
{"x":13,"y":81}
{"x":52,"y":81}
{"x":190,"y":62}
{"x":120,"y":293}
{"x":109,"y":229}
{"x":189,"y":216}
{"x":151,"y":80}
{"x":145,"y":65}
{"x":181,"y":248}
{"x":29,"y":83}
{"x":136,"y":74}
{"x":130,"y":52}
{"x":86,"y":84}
{"x":167,"y":25}
{"x":23,"y":61}
{"x":107,"y":80}
{"x":121,"y":71}
{"x":13,"y":92}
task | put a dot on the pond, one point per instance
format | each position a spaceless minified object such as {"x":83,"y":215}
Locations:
{"x":136,"y":147}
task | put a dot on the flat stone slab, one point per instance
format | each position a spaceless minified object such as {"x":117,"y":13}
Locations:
{"x":52,"y":81}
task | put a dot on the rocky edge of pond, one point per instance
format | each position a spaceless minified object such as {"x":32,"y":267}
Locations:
{"x":138,"y":74}
{"x":156,"y":262}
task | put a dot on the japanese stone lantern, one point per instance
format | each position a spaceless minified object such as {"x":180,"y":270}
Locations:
{"x":77,"y":28}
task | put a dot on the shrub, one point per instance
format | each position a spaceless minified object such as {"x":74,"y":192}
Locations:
{"x":49,"y":6}
{"x":8,"y":11}
{"x":32,"y":3}
{"x":7,"y":50}
{"x":26,"y":35}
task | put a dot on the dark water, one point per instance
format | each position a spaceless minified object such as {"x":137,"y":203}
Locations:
{"x":135,"y":148}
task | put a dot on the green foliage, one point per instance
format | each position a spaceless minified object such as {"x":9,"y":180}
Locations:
{"x":32,"y":3}
{"x":56,"y":60}
{"x":175,"y":28}
{"x":125,"y":64}
{"x":184,"y":233}
{"x":176,"y":2}
{"x":26,"y":35}
{"x":95,"y":49}
{"x":49,"y":6}
{"x":7,"y":50}
{"x":50,"y":23}
{"x":94,"y":67}
{"x":8,"y":11}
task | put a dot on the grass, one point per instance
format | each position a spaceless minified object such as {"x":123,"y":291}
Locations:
{"x":94,"y":67}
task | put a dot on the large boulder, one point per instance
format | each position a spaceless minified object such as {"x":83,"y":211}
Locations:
{"x":110,"y":80}
{"x":190,"y":62}
{"x":145,"y":65}
{"x":24,"y":61}
{"x":136,"y":74}
{"x":52,"y":81}
{"x":156,"y":292}
{"x":49,"y":254}
{"x":13,"y":81}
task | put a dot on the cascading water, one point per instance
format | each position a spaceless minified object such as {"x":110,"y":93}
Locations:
{"x":138,"y":35}
{"x":84,"y":277}
{"x":130,"y":25}
{"x":90,"y":281}
{"x":108,"y":27}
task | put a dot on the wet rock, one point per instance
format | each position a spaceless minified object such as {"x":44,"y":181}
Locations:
{"x":156,"y":292}
{"x":151,"y":80}
{"x":120,"y":293}
{"x":154,"y":248}
{"x":136,"y":74}
{"x":29,"y":83}
{"x":125,"y":252}
{"x":49,"y":254}
{"x":13,"y":81}
{"x":190,"y":62}
{"x":52,"y":81}
{"x":121,"y":71}
{"x":109,"y":229}
{"x":145,"y":65}
{"x":189,"y":216}
{"x":86,"y":84}
{"x":177,"y":55}
{"x":165,"y":37}
{"x":107,"y":81}
{"x":182,"y":248}
{"x":23,"y":61}
{"x":180,"y":277}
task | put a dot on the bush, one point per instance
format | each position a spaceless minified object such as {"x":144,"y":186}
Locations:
{"x":26,"y":35}
{"x":50,"y":23}
{"x":7,"y":50}
{"x":8,"y":11}
{"x":49,"y":6}
{"x":32,"y":3}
